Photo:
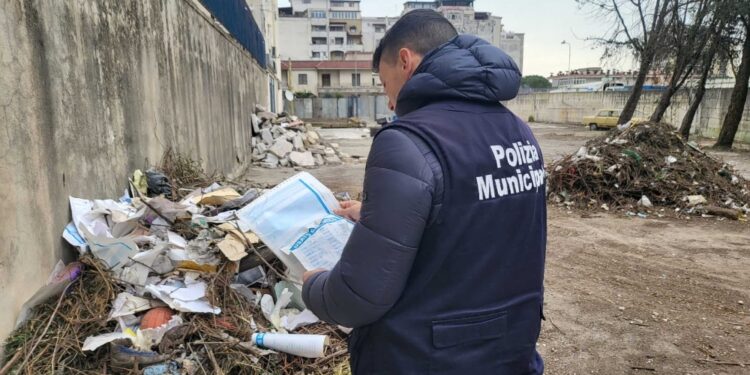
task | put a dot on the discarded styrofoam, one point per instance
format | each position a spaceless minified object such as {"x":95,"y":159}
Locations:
{"x":694,"y":200}
{"x":645,"y":202}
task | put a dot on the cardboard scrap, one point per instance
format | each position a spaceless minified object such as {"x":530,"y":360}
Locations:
{"x":216,"y":197}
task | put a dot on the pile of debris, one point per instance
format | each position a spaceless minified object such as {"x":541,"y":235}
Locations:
{"x":280,"y":140}
{"x":170,"y":286}
{"x":648,"y":169}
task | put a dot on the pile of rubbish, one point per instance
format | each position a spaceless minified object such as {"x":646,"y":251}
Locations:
{"x":647,"y":169}
{"x":172,"y":286}
{"x":280,"y":140}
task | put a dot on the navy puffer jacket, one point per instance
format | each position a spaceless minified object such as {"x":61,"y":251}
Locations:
{"x":444,"y":270}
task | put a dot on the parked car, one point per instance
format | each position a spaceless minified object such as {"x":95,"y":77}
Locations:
{"x":606,"y":119}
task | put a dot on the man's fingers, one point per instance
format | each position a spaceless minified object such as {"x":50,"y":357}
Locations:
{"x":307,"y":275}
{"x":347,"y":204}
{"x":344,"y":213}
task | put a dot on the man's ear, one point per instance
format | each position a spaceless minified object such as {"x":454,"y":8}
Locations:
{"x":405,"y":57}
{"x":408,"y":61}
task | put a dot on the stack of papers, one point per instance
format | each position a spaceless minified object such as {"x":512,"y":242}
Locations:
{"x":296,"y":221}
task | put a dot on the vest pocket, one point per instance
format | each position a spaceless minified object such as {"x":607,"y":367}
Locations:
{"x":465,"y":330}
{"x":475,"y":343}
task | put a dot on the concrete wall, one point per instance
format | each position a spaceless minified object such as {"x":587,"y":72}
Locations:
{"x":312,"y":81}
{"x":89,"y":91}
{"x":266,"y":15}
{"x":295,"y":36}
{"x":366,"y":107}
{"x":571,"y":107}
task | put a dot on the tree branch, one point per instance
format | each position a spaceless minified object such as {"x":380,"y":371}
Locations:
{"x":634,"y":42}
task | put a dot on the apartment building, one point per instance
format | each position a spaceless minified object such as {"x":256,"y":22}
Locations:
{"x":462,"y":15}
{"x":312,"y":32}
{"x":320,"y":30}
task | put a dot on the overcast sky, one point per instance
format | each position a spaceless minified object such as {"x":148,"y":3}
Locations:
{"x":546,"y":23}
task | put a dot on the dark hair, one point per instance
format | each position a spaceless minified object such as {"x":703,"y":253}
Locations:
{"x":421,"y":30}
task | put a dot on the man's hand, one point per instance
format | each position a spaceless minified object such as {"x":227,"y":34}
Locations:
{"x":310,"y":274}
{"x":350,"y":210}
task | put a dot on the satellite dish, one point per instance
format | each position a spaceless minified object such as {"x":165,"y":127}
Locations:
{"x":289,"y":95}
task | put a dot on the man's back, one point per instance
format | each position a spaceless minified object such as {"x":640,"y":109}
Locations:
{"x":473,"y":298}
{"x":443,"y":272}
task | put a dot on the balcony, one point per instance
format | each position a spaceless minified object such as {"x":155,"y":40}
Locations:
{"x":349,"y":48}
{"x":337,"y":34}
{"x":373,"y":90}
{"x":345,"y":15}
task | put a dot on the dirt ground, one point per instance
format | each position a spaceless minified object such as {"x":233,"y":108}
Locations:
{"x":623,"y":295}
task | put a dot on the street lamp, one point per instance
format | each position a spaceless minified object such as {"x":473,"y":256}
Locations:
{"x":569,"y":52}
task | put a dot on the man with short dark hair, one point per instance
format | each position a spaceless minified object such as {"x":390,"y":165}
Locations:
{"x":443,"y":273}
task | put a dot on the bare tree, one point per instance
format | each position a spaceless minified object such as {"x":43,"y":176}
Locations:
{"x":639,"y":26}
{"x":719,"y":46}
{"x":686,"y":40}
{"x":739,"y":93}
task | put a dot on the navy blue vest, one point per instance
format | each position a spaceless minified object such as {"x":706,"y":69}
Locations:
{"x":473,"y":301}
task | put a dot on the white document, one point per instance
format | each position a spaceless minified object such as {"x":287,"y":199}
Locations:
{"x":321,"y":246}
{"x":115,"y":252}
{"x":185,"y":298}
{"x":88,"y":220}
{"x":127,"y":304}
{"x":175,"y":240}
{"x":93,"y":342}
{"x":295,"y":219}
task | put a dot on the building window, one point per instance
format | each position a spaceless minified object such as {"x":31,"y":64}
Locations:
{"x":326,"y":78}
{"x":318,"y":41}
{"x":318,"y":14}
{"x":379,"y":28}
{"x":337,"y":28}
{"x":306,"y":1}
{"x":302,"y":79}
{"x":352,"y":29}
{"x":316,"y":55}
{"x":356,"y":80}
{"x":339,"y":41}
{"x":318,"y":27}
{"x":345,"y":15}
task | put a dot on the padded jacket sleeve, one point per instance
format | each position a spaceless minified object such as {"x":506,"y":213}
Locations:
{"x":377,"y":260}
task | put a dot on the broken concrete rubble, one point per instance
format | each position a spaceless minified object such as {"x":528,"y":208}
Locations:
{"x":256,"y":123}
{"x":280,"y":140}
{"x":302,"y":159}
{"x":333,"y":160}
{"x":266,"y":136}
{"x":281,"y":148}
